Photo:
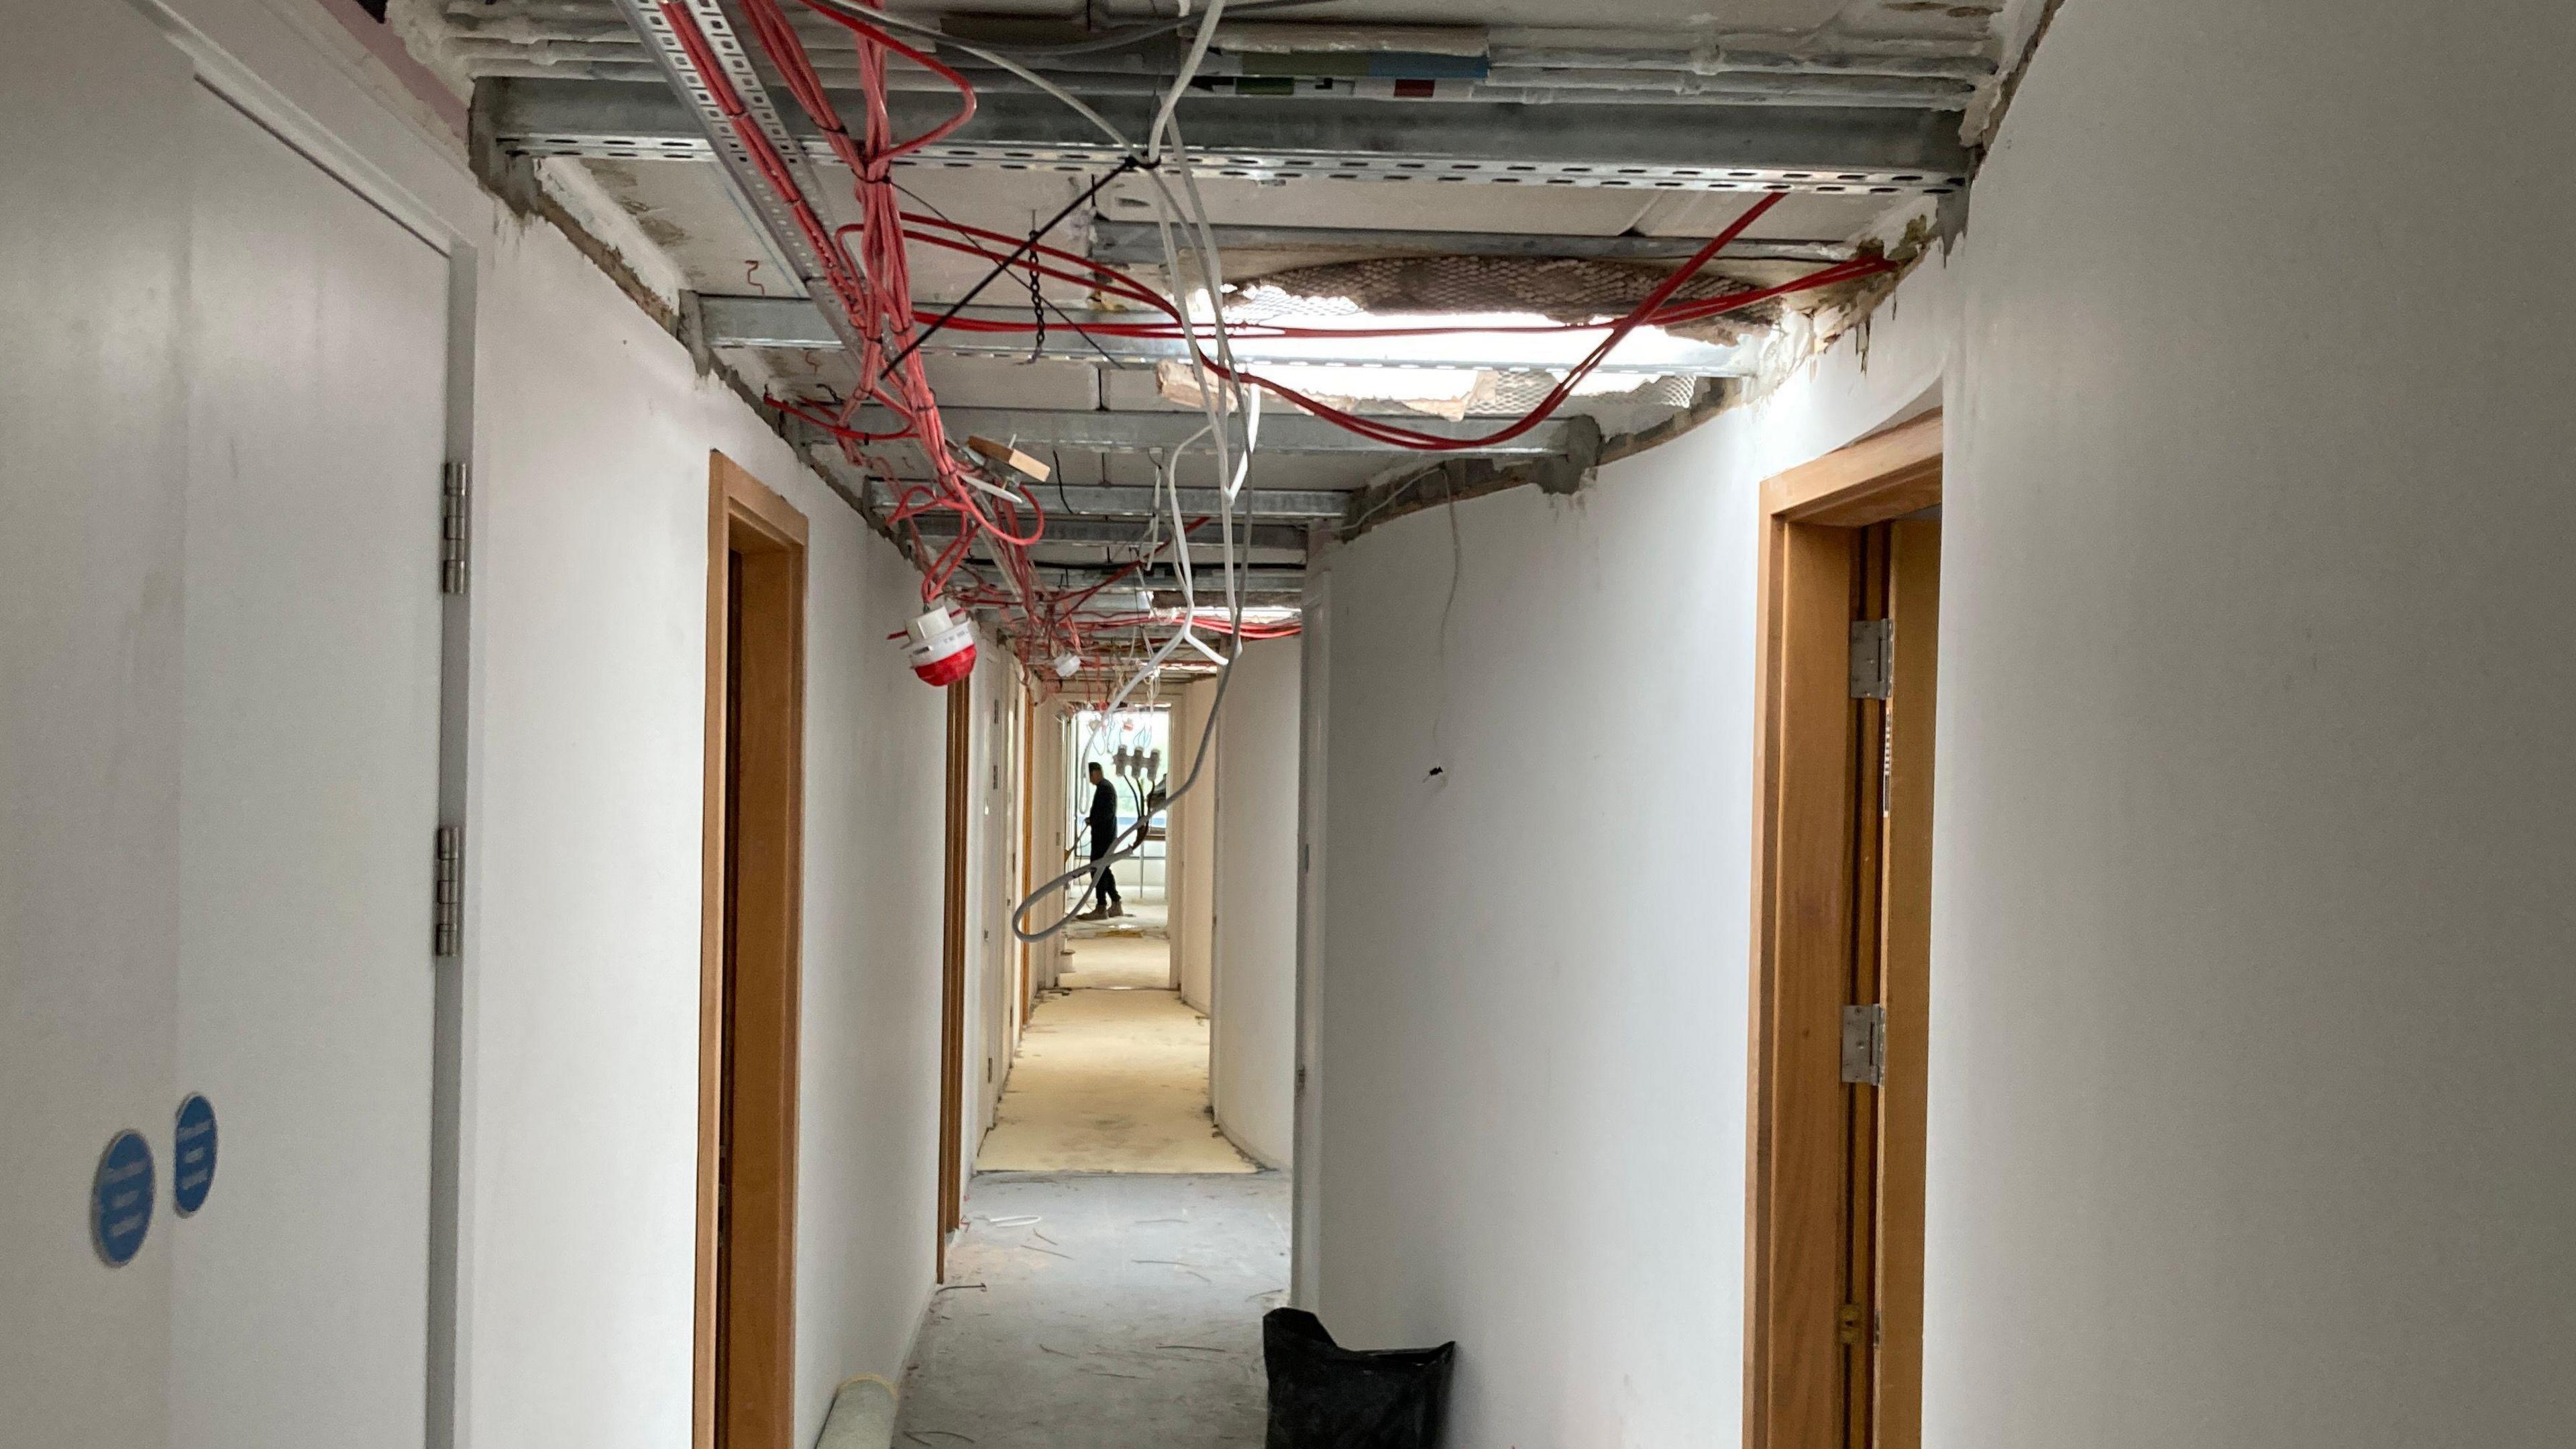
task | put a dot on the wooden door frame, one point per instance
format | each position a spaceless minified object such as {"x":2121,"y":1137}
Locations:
{"x":751,"y":1404}
{"x":1803,"y":937}
{"x":952,"y":970}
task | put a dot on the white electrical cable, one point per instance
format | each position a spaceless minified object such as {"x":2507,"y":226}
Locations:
{"x":888,"y":18}
{"x":1247,"y":402}
{"x":1152,"y":670}
{"x":1181,"y":82}
{"x":1150,"y":673}
{"x":1212,"y":266}
{"x":1230,"y":475}
{"x":1230,"y":472}
{"x":1231,"y":478}
{"x":1135,"y":833}
{"x":1170,"y":485}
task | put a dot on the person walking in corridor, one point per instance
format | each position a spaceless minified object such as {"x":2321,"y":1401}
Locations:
{"x":1103,"y":820}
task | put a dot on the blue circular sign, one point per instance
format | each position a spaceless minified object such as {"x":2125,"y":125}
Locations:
{"x":120,"y":1198}
{"x":192,"y":1155}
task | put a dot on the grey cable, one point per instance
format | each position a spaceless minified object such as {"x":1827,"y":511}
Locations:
{"x":1135,"y":833}
{"x":1119,"y":40}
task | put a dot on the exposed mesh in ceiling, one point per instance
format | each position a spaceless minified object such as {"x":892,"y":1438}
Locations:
{"x":1564,"y":289}
{"x":1517,"y":392}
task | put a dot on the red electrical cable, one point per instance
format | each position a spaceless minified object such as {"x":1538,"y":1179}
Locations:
{"x":1650,"y":311}
{"x":1095,"y":274}
{"x":1669,"y":315}
{"x":871,"y":281}
{"x":878,"y":294}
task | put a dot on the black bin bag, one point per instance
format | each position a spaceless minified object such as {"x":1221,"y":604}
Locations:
{"x":1325,"y":1396}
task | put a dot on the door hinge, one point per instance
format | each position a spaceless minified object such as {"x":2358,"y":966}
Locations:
{"x":1301,"y":1078}
{"x":447,"y":892}
{"x":1847,"y":1324}
{"x":1873,"y":663}
{"x":454,"y":480}
{"x":1865,"y":1045}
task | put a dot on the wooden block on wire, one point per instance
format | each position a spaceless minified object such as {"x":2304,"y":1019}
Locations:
{"x":1010,"y":457}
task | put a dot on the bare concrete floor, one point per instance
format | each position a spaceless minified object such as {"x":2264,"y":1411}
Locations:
{"x":1102,"y":1312}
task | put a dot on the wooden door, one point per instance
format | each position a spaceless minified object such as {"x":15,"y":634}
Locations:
{"x":309,"y":799}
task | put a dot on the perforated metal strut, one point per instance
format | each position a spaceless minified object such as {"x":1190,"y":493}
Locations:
{"x":719,"y":141}
{"x":1777,"y":148}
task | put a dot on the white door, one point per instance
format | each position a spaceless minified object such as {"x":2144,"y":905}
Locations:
{"x":308,"y":800}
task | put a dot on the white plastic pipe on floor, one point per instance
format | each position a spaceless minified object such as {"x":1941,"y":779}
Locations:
{"x":862,"y":1415}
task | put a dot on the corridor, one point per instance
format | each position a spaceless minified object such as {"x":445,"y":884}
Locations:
{"x":1822,"y":723}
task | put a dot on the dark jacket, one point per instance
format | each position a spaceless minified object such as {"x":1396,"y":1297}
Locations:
{"x":1103,"y":818}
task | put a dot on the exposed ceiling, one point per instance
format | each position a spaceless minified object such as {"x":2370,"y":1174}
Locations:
{"x":1519,"y":136}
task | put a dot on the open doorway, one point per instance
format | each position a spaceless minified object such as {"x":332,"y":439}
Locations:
{"x":748,"y":1013}
{"x":1841,"y":977}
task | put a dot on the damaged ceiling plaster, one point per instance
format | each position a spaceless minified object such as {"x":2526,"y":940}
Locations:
{"x":1364,"y":156}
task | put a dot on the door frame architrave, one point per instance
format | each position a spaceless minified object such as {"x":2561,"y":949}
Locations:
{"x":759,"y":863}
{"x":1797,"y":1170}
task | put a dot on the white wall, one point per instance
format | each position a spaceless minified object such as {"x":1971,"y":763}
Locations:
{"x":93,"y":408}
{"x":591,"y":443}
{"x":2250,"y":1092}
{"x":1533,"y":963}
{"x":1192,"y":905}
{"x":1314,"y":712}
{"x":868,"y":1105}
{"x":2250,"y":916}
{"x":1528,"y":998}
{"x":591,"y":618}
{"x":1253,"y":1033}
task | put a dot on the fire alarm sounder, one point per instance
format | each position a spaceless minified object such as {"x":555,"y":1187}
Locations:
{"x":941,"y":647}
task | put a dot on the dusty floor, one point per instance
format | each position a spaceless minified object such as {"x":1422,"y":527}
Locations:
{"x":1142,"y":918}
{"x":1111,"y":1077}
{"x":1128,"y":961}
{"x":1102,"y":1312}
